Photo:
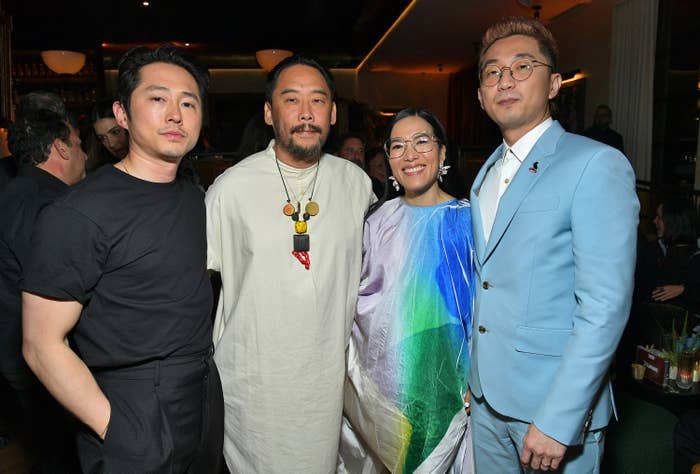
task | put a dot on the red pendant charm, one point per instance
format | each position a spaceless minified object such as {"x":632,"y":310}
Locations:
{"x":303,"y":258}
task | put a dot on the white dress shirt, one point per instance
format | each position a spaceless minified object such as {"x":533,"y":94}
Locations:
{"x":501,"y":174}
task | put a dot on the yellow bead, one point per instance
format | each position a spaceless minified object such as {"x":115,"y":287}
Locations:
{"x":300,"y":227}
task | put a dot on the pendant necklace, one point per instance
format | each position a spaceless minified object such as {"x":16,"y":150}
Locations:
{"x":300,"y":239}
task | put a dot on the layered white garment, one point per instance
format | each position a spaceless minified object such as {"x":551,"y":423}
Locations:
{"x":281,"y":331}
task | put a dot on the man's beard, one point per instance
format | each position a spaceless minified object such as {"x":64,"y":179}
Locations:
{"x":300,"y":152}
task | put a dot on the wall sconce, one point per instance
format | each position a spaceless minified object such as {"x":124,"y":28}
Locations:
{"x":63,"y":62}
{"x":571,"y":76}
{"x":268,"y":58}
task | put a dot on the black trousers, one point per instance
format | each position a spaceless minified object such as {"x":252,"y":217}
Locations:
{"x":167,"y":417}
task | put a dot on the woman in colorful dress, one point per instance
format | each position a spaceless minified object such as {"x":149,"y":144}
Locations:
{"x":406,"y":397}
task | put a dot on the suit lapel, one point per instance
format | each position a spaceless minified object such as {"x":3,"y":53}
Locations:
{"x":527,"y":176}
{"x":477,"y":225}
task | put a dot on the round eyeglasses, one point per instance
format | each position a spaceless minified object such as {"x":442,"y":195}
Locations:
{"x":421,"y":142}
{"x":520,"y":70}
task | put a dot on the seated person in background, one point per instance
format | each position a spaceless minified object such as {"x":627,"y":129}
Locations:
{"x":601,"y":130}
{"x":351,"y":146}
{"x":375,"y":167}
{"x":110,"y":142}
{"x":668,"y":268}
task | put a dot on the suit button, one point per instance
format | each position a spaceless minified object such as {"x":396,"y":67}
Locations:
{"x":486,"y":285}
{"x":482,"y":329}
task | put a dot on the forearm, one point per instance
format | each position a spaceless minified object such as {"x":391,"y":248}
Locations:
{"x":45,"y":325}
{"x":70,"y":381}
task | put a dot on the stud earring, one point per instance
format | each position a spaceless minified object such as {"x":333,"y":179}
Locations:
{"x":442,"y":171}
{"x":394,"y":183}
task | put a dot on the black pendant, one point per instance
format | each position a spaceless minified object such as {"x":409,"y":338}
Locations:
{"x":301,"y":242}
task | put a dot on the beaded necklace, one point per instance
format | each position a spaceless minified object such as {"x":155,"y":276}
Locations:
{"x":300,"y":240}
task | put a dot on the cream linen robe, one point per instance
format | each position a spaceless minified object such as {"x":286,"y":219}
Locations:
{"x":281,"y":331}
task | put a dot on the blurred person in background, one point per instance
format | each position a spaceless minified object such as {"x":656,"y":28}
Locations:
{"x":601,"y":131}
{"x":375,"y":167}
{"x":351,"y":146}
{"x":109,"y":142}
{"x":668,"y":267}
{"x":52,"y":159}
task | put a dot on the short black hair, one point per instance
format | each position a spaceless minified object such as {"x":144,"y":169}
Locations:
{"x":347,"y":135}
{"x":33,"y":133}
{"x":135,"y":59}
{"x":37,"y":100}
{"x":295,"y":60}
{"x":680,"y":220}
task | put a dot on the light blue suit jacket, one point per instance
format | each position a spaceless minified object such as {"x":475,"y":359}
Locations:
{"x":555,"y":284}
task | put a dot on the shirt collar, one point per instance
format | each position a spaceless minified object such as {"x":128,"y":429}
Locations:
{"x":522,"y":147}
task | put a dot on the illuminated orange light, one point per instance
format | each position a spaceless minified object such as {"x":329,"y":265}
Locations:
{"x":577,"y":77}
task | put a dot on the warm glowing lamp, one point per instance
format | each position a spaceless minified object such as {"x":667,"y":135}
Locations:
{"x":63,"y":62}
{"x":268,"y":58}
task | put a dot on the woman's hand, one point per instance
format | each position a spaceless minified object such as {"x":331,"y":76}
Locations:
{"x":667,"y":292}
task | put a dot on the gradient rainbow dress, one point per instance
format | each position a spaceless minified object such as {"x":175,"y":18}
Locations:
{"x":408,"y":359}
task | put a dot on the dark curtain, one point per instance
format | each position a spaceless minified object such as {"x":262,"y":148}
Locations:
{"x":467,"y":124}
{"x":472,"y":134}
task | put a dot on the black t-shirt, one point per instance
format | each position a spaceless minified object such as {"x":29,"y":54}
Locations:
{"x":133,"y":253}
{"x":20,"y":203}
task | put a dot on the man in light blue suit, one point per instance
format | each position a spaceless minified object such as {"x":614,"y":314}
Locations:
{"x":555,"y":227}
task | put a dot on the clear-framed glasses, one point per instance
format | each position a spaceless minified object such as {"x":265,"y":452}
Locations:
{"x":421,"y":142}
{"x":520,"y":70}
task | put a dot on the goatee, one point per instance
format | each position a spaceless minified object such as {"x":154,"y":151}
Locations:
{"x":301,"y":152}
{"x":304,"y":153}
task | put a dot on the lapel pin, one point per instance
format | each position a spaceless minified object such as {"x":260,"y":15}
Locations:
{"x":533,"y":168}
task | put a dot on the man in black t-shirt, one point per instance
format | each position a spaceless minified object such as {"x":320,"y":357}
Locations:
{"x":120,"y":264}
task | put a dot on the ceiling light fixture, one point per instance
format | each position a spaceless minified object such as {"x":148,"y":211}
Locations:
{"x":268,"y":58}
{"x":63,"y":62}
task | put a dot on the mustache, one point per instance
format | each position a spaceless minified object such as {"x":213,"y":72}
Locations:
{"x":301,"y":128}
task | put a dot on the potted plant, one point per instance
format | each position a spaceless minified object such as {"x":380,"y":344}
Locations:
{"x":679,"y":343}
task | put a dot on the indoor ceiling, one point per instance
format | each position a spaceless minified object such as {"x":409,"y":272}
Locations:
{"x":438,"y":36}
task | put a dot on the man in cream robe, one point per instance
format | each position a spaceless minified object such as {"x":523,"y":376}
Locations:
{"x":281,"y":329}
